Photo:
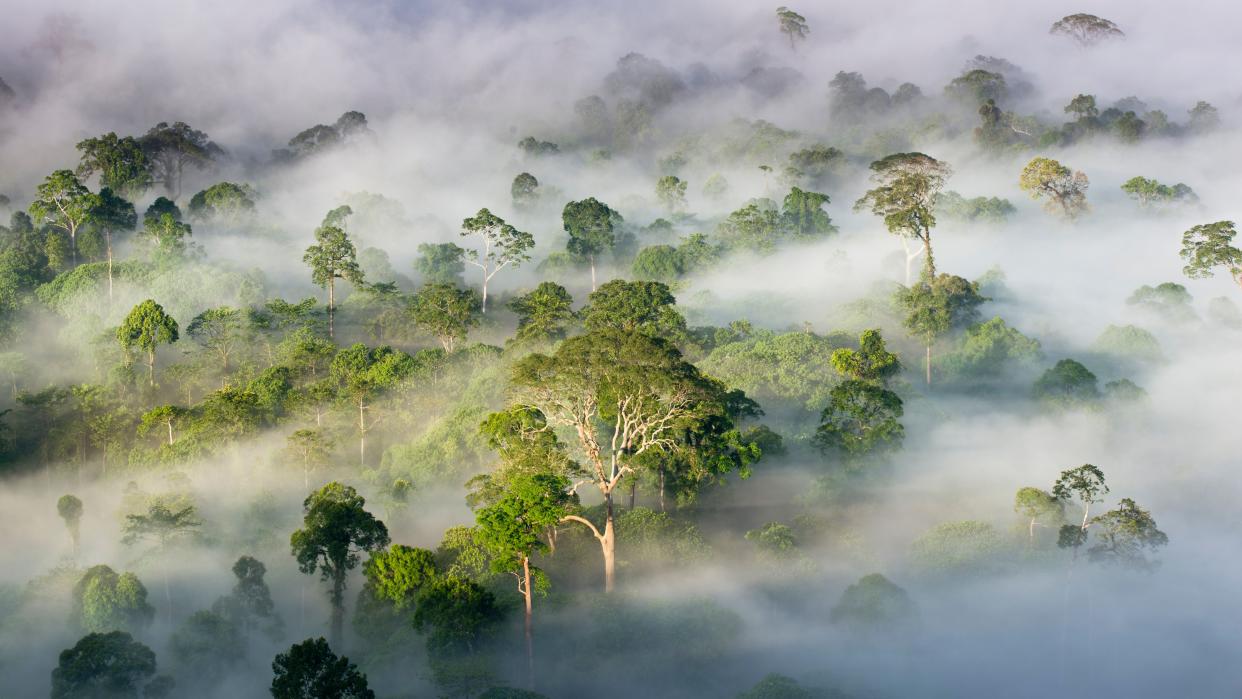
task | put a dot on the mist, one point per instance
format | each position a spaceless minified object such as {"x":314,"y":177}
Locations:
{"x":734,"y":577}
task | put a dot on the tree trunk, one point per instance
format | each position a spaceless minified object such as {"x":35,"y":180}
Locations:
{"x":170,"y":433}
{"x":662,"y":487}
{"x":927,"y":363}
{"x":484,"y":306}
{"x":592,"y":273}
{"x":338,"y":609}
{"x":151,"y":367}
{"x":530,"y":643}
{"x":108,"y":237}
{"x":1031,"y":532}
{"x":331,"y":306}
{"x":362,"y":434}
{"x":633,"y":492}
{"x":609,"y":545}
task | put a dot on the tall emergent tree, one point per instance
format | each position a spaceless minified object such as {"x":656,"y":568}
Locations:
{"x":792,"y":25}
{"x":63,"y":202}
{"x":147,"y":327}
{"x":1208,"y":246}
{"x":69,"y":507}
{"x":332,"y":257}
{"x":623,"y":394}
{"x":1087,"y":30}
{"x":1064,"y":189}
{"x":1086,"y":484}
{"x":503,"y":245}
{"x":250,"y":605}
{"x":113,"y":215}
{"x":164,"y":527}
{"x":512,"y":527}
{"x":591,"y":227}
{"x":936,"y":305}
{"x":169,"y":149}
{"x":334,"y":530}
{"x":905,"y":196}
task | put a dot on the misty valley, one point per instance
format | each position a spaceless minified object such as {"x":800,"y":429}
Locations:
{"x":552,"y":350}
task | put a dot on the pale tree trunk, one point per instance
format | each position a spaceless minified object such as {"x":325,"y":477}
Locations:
{"x":170,"y":433}
{"x":1031,"y":532}
{"x":609,"y":544}
{"x":592,"y":273}
{"x":108,"y":237}
{"x":151,"y":367}
{"x":484,"y":305}
{"x":331,"y":307}
{"x":910,"y":256}
{"x":529,"y":632}
{"x":662,"y":487}
{"x":362,"y":434}
{"x":927,"y":362}
{"x":338,"y":609}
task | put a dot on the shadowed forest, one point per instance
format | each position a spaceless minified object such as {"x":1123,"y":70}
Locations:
{"x":544,"y":349}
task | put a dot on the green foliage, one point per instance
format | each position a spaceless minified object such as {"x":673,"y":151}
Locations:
{"x":655,"y":538}
{"x":646,"y":307}
{"x":223,"y":202}
{"x":792,"y":25}
{"x":310,"y":670}
{"x":104,"y":601}
{"x":861,"y":420}
{"x":871,"y":362}
{"x":120,"y":163}
{"x":792,"y":368}
{"x":671,"y":191}
{"x":1123,"y":535}
{"x":1064,"y":190}
{"x":1129,"y":342}
{"x":1169,"y":301}
{"x":440,"y":263}
{"x":210,"y":644}
{"x":1208,"y":246}
{"x":169,"y":149}
{"x":249,"y":606}
{"x":102,"y":665}
{"x":524,"y":190}
{"x":774,"y":539}
{"x":989,"y":349}
{"x":1151,"y":194}
{"x":446,"y":312}
{"x":968,"y":547}
{"x":591,"y":226}
{"x":977,"y":86}
{"x":873,"y":603}
{"x":982,"y":210}
{"x":455,"y":613}
{"x":399,"y":574}
{"x":1068,"y":384}
{"x":907,"y":187}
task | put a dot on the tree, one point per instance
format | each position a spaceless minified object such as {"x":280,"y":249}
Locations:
{"x":64,"y":203}
{"x":874,"y":602}
{"x":169,"y":149}
{"x":362,"y":374}
{"x":112,"y":215}
{"x":228,"y":202}
{"x":803,"y":216}
{"x":105,"y":601}
{"x":1208,"y":246}
{"x":905,"y":197}
{"x":1087,"y":30}
{"x":524,"y":190}
{"x":544,"y":313}
{"x":792,"y":25}
{"x":332,"y":257}
{"x":164,"y":527}
{"x":591,"y":228}
{"x":1203,"y":117}
{"x":120,"y":162}
{"x":1082,"y":107}
{"x":934,"y":306}
{"x":1040,"y":507}
{"x":250,"y":605}
{"x":871,"y":362}
{"x":659,"y":263}
{"x":671,"y":191}
{"x":147,"y":327}
{"x":456,"y":611}
{"x":440,"y":263}
{"x":210,"y":644}
{"x":446,"y":312}
{"x":335,"y":528}
{"x":978,"y":86}
{"x":861,"y":420}
{"x":1151,"y":194}
{"x":165,"y":416}
{"x":1065,"y":190}
{"x":1123,"y":534}
{"x":646,"y":307}
{"x":1067,"y":384}
{"x":168,"y":235}
{"x":623,"y":395}
{"x":310,"y":670}
{"x":512,"y":526}
{"x":311,"y":449}
{"x":220,"y":331}
{"x":503,"y":245}
{"x":1086,"y":484}
{"x":103,"y":665}
{"x":400,"y":573}
{"x":69,"y":507}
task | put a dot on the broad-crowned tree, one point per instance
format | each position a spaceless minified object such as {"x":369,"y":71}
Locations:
{"x":874,"y":603}
{"x":503,"y":246}
{"x":1151,"y":194}
{"x":623,"y":395}
{"x":1040,"y":508}
{"x":69,"y":507}
{"x":106,"y":601}
{"x":455,"y":612}
{"x":1209,"y":246}
{"x":223,"y":202}
{"x":440,"y":263}
{"x":871,"y":362}
{"x":524,"y":190}
{"x":334,"y":530}
{"x":1068,"y":384}
{"x":1124,"y":535}
{"x":398,"y":574}
{"x":646,"y":307}
{"x":905,"y":197}
{"x":332,"y":257}
{"x":164,"y":528}
{"x":803,"y":216}
{"x":171,"y":148}
{"x":936,"y":305}
{"x":671,"y":192}
{"x":544,"y":314}
{"x":109,"y":664}
{"x":120,"y":162}
{"x":591,"y":226}
{"x":1087,"y":30}
{"x":222,"y":332}
{"x":792,"y":25}
{"x":1064,"y":190}
{"x":164,"y":418}
{"x":446,"y":312}
{"x":862,"y":420}
{"x":310,"y":670}
{"x":147,"y":327}
{"x":362,"y":374}
{"x":64,"y":203}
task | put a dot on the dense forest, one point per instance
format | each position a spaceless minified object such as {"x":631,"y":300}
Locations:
{"x":668,"y":351}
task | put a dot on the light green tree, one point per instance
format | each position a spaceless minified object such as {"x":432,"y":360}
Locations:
{"x":64,"y":203}
{"x":147,"y":327}
{"x":907,"y":185}
{"x":503,"y":246}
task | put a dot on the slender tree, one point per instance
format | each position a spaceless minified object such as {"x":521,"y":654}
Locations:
{"x":332,"y":257}
{"x":147,"y":327}
{"x":905,"y":197}
{"x":792,"y":25}
{"x":163,"y":527}
{"x":591,"y":227}
{"x":362,"y":374}
{"x":503,"y":246}
{"x":63,"y":202}
{"x":69,"y":507}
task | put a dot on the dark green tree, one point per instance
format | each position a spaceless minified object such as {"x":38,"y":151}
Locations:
{"x":170,"y":148}
{"x":591,"y":226}
{"x":543,"y":314}
{"x":862,"y":420}
{"x":120,"y":162}
{"x":310,"y":670}
{"x":104,"y":666}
